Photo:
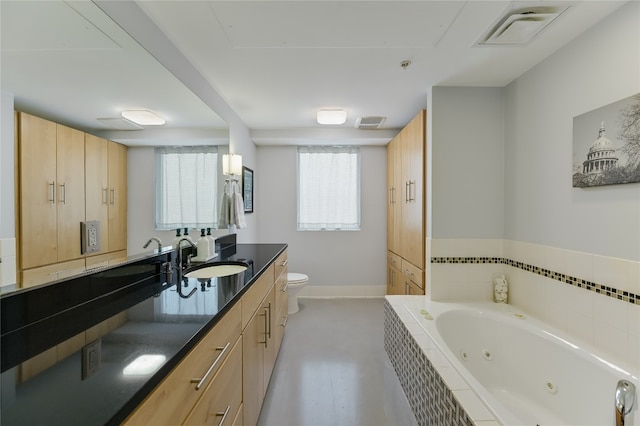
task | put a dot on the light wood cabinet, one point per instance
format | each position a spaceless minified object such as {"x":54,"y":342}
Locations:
{"x":282,"y":298}
{"x":394,"y":276}
{"x":48,"y":273}
{"x":64,"y":178}
{"x":117,"y":196}
{"x":172,"y":401}
{"x":50,"y":190}
{"x":406,"y":213}
{"x":106,"y":190}
{"x":96,"y":162}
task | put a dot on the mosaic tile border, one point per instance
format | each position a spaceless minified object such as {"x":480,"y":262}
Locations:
{"x":431,"y":401}
{"x":622,"y":295}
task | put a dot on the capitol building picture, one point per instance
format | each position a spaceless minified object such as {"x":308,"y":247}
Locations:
{"x":599,"y":159}
{"x":602,"y":155}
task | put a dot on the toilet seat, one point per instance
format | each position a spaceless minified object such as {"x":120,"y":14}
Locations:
{"x":294,"y":278}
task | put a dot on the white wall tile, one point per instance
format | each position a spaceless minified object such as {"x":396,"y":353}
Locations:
{"x":633,"y":321}
{"x":579,"y":265}
{"x":611,"y":272}
{"x":611,"y":341}
{"x":581,"y":326}
{"x":611,"y":312}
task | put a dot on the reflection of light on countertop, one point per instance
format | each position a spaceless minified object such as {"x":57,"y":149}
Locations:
{"x":144,"y":365}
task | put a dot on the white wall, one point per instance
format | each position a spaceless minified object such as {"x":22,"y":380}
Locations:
{"x":337,"y":263}
{"x":563,"y":249}
{"x":599,"y":68}
{"x":7,"y":179}
{"x":467,"y":162}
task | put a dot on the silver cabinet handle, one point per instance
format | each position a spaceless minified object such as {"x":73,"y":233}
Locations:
{"x":408,"y":272}
{"x":284,"y":323}
{"x":52,"y":192}
{"x":412,"y":197}
{"x":265,"y":327}
{"x":201,"y":381}
{"x":406,"y":192}
{"x":285,"y":263}
{"x":223,"y":414}
{"x":284,"y":288}
{"x":105,"y":195}
{"x":63,"y":190}
{"x":269,"y":322}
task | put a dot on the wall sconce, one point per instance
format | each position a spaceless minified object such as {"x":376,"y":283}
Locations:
{"x":232,"y":164}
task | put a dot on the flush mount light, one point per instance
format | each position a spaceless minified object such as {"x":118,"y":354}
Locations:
{"x":143,"y":117}
{"x":332,"y":116}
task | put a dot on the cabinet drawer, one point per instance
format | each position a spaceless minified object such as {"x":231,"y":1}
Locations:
{"x":282,"y":294}
{"x":413,"y":273}
{"x":281,"y":264}
{"x":252,"y":299}
{"x":57,"y":271}
{"x":394,"y":260}
{"x":221,"y":400}
{"x":173,"y":399}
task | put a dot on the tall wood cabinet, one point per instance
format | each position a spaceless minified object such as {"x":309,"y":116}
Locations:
{"x":106,"y":190}
{"x":406,"y":213}
{"x":51,"y":191}
{"x":65,"y":177}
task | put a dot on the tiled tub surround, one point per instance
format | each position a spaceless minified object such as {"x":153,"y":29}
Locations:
{"x":500,"y":363}
{"x":594,"y":298}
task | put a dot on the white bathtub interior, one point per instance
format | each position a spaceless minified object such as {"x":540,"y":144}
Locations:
{"x":524,"y":371}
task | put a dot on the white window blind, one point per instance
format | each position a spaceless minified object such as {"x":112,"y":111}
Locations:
{"x":328,"y":188}
{"x":186,"y":187}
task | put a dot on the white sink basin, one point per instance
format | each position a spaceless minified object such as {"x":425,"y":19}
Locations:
{"x":215,"y":271}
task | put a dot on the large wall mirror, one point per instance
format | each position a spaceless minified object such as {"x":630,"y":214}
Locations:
{"x":70,"y":63}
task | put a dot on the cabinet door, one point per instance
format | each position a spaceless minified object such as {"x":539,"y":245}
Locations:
{"x":117,"y":196}
{"x":254,"y":339}
{"x":394,"y":195}
{"x":96,"y":159}
{"x":38,"y":220}
{"x":222,"y":399}
{"x":413,"y":218}
{"x":70,"y":191}
{"x":271,"y":348}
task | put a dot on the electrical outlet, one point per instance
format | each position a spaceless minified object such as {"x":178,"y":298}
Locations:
{"x":91,"y":358}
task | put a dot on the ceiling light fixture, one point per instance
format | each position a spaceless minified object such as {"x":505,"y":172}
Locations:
{"x":143,"y":117}
{"x":331,"y":116}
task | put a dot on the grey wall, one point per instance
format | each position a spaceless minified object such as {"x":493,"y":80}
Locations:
{"x":467,"y":149}
{"x":7,"y":169}
{"x":541,"y":206}
{"x":331,"y":258}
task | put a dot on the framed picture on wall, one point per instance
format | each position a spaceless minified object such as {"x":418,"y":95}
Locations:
{"x":606,"y":144}
{"x":247,"y":189}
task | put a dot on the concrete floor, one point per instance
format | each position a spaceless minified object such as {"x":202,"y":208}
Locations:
{"x":332,"y":369}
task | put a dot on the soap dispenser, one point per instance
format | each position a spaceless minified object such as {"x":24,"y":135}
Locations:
{"x":186,"y":235}
{"x":176,"y":240}
{"x":212,"y":243}
{"x":202,"y":247}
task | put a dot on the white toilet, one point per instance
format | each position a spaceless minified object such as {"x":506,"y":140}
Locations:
{"x":295,"y":282}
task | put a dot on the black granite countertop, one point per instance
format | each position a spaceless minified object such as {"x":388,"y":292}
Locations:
{"x":122,"y":313}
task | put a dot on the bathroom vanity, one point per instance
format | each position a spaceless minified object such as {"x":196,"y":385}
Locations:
{"x":126,"y":345}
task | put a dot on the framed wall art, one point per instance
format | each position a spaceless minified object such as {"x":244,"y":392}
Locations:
{"x":247,"y":189}
{"x":606,"y":145}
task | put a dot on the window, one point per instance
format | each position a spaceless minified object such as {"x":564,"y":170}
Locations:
{"x":186,"y":187}
{"x":328,"y":188}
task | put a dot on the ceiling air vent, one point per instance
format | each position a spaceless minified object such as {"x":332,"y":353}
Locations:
{"x":369,"y":123}
{"x":520,"y":26}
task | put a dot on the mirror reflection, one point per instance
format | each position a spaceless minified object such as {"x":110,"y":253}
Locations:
{"x":69,"y":64}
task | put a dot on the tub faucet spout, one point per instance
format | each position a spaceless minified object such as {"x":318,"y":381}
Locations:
{"x":625,"y":395}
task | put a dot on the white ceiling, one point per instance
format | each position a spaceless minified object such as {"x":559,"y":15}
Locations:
{"x":270,"y":64}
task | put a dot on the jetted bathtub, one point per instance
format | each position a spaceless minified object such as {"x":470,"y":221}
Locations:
{"x":526,"y":372}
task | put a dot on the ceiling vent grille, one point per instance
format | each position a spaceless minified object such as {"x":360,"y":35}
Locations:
{"x":520,"y":26}
{"x":369,"y":123}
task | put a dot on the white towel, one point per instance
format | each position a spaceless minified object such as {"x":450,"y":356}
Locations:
{"x":224,"y":218}
{"x":238,"y":208}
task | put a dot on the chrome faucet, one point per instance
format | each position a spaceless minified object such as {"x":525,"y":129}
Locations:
{"x":179,"y":268}
{"x":625,"y":395}
{"x":157,"y":240}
